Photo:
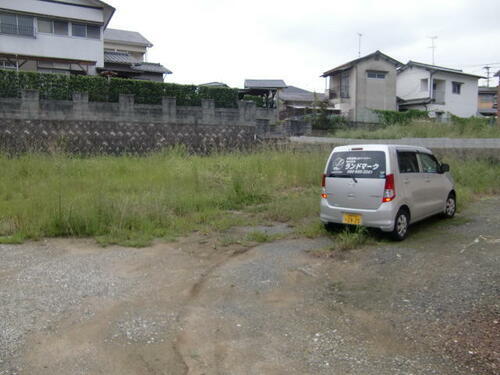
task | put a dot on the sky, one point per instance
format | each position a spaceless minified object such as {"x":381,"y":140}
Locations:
{"x":233,"y":40}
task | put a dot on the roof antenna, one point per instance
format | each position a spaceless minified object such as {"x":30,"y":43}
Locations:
{"x":487,"y":68}
{"x":359,"y":44}
{"x":433,"y":46}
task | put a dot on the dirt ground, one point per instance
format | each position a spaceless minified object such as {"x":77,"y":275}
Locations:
{"x":428,"y":305}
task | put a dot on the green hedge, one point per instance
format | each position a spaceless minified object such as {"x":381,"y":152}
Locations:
{"x":61,"y":87}
{"x":387,"y":117}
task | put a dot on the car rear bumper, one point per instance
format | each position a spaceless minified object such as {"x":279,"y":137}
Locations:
{"x":382,"y":217}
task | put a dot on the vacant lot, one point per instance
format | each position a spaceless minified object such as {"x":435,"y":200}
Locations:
{"x":206,"y":305}
{"x":133,"y":200}
{"x":461,"y":128}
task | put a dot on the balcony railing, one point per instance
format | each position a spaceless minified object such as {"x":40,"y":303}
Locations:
{"x":13,"y":29}
{"x":438,"y":96}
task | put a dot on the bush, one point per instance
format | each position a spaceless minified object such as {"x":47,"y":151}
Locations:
{"x":402,"y":118}
{"x":259,"y":100}
{"x":61,"y":87}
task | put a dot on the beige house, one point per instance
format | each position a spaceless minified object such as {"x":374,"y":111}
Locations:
{"x":364,"y":84}
{"x":125,"y":54}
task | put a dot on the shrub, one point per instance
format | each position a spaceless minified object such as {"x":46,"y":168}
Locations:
{"x":61,"y":87}
{"x":403,"y":118}
{"x":259,"y":100}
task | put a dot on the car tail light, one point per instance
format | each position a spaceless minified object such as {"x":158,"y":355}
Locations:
{"x":323,"y":185}
{"x":389,"y":189}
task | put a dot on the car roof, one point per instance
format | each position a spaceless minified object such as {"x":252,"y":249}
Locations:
{"x":381,"y":147}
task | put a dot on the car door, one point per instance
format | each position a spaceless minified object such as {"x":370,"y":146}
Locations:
{"x":434,"y":186}
{"x":413,"y":184}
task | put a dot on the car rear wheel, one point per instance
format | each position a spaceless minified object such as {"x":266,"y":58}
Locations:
{"x":401,"y":223}
{"x":451,"y":206}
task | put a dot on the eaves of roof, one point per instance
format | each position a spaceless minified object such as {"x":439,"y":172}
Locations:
{"x":350,"y":64}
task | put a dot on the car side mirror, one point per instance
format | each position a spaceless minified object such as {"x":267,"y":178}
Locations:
{"x":445,"y":168}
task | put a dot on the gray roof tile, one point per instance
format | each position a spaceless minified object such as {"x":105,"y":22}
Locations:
{"x":126,"y":36}
{"x":264,"y":83}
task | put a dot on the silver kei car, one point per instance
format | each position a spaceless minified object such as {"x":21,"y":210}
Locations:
{"x":385,"y":186}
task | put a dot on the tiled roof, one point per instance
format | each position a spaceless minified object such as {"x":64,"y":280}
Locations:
{"x":126,"y":36}
{"x":350,"y":64}
{"x":292,"y":93}
{"x":119,"y":58}
{"x":264,"y":84}
{"x":151,"y":67}
{"x":438,"y":68}
{"x":132,"y":64}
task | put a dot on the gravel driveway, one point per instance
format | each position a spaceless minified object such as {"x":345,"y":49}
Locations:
{"x":425,"y":306}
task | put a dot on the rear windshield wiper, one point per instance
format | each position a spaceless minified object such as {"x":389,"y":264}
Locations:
{"x":344,"y":176}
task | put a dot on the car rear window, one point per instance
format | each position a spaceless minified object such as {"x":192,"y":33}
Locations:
{"x":358,"y":164}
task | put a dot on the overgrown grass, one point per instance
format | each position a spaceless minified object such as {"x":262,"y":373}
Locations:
{"x":470,"y":128}
{"x":131,"y":200}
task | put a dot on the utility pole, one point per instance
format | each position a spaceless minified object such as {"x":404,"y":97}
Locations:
{"x":359,"y":44}
{"x":487,"y":68}
{"x":433,"y":46}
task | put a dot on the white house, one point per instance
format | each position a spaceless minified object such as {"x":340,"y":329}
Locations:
{"x":53,"y":36}
{"x":436,"y":89}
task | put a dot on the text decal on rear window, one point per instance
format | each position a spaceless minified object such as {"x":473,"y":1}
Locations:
{"x":359,"y":164}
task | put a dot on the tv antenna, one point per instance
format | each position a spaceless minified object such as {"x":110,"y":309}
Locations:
{"x":487,"y":68}
{"x":433,"y":46}
{"x":359,"y":44}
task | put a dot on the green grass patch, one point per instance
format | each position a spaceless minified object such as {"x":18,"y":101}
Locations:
{"x":466,"y":128}
{"x":260,"y":237}
{"x":131,"y":200}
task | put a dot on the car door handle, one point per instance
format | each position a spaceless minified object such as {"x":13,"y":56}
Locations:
{"x":406,"y":181}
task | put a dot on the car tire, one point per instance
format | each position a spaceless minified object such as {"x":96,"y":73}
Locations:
{"x":401,"y":224}
{"x":451,"y":206}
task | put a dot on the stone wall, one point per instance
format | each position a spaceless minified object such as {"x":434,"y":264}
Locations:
{"x":118,"y":137}
{"x":81,"y":126}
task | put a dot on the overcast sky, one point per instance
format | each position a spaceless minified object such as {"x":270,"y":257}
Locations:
{"x":230,"y":40}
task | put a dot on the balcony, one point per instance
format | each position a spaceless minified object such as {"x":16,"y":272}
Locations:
{"x":438,"y":96}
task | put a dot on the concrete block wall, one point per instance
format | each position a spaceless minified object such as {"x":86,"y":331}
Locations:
{"x":30,"y":107}
{"x":82,"y":126}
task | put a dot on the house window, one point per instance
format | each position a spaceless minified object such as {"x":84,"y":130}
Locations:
{"x":60,"y":28}
{"x":47,"y":25}
{"x":86,"y":31}
{"x":374,"y":74}
{"x":456,"y":87}
{"x":424,"y":84}
{"x":344,"y":84}
{"x":16,"y":24}
{"x":5,"y":64}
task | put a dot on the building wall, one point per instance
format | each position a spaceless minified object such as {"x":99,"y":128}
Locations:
{"x":50,"y":45}
{"x":462,"y":105}
{"x":374,"y":93}
{"x":345,"y":105}
{"x":408,"y":85}
{"x":366,"y":93}
{"x":55,"y":9}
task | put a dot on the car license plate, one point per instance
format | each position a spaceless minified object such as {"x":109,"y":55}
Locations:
{"x":353,"y":219}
